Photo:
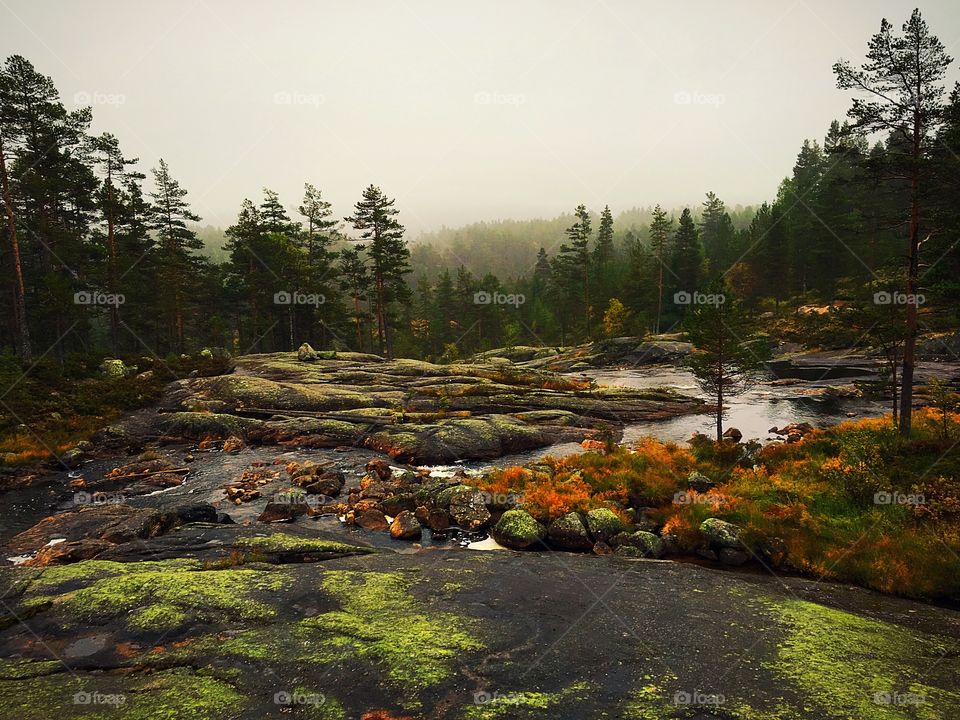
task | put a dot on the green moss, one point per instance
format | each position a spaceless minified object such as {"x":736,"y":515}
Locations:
{"x":90,"y":570}
{"x":524,"y":704}
{"x":169,"y":695}
{"x":849,"y":659}
{"x":19,"y":669}
{"x":282,"y":542}
{"x":379,"y":620}
{"x":162,"y":599}
{"x":650,"y":701}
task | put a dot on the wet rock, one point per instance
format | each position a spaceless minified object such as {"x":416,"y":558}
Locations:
{"x":774,"y":551}
{"x":601,"y":548}
{"x":381,"y":468}
{"x":371,"y":519}
{"x":640,"y":544}
{"x":570,"y":533}
{"x":733,"y":434}
{"x":518,"y":530}
{"x":284,"y":507}
{"x":467,"y":507}
{"x":405,"y":527}
{"x":328,"y":483}
{"x":396,"y":504}
{"x":720,"y":533}
{"x":116,"y":520}
{"x":603,"y":524}
{"x":69,"y":552}
{"x":434,"y":518}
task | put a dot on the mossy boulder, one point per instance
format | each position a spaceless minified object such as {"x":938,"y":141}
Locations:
{"x":518,"y":530}
{"x":570,"y":533}
{"x":603,"y":524}
{"x":405,"y":527}
{"x":699,"y":482}
{"x":197,"y":425}
{"x":639,"y":544}
{"x":467,"y":507}
{"x":721,"y":534}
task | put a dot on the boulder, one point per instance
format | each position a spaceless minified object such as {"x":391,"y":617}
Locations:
{"x":721,"y":534}
{"x":232,"y":445}
{"x":284,"y":508}
{"x":305,"y":353}
{"x":570,"y":533}
{"x":115,"y":369}
{"x":699,"y":482}
{"x":639,"y":544}
{"x":467,"y":507}
{"x":380,"y":468}
{"x":405,"y":527}
{"x":733,"y":434}
{"x":434,"y":518}
{"x":328,"y":483}
{"x":371,"y":519}
{"x":68,"y":552}
{"x":396,"y":504}
{"x":603,"y":524}
{"x":518,"y":530}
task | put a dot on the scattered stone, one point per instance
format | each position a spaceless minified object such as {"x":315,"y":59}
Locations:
{"x":371,"y":519}
{"x":603,"y":524}
{"x":570,"y":533}
{"x":406,"y":527}
{"x":467,"y":507}
{"x":381,"y":468}
{"x":232,"y":445}
{"x":733,"y":434}
{"x":729,"y":556}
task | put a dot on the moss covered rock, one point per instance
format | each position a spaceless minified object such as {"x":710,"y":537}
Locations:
{"x":603,"y":524}
{"x":518,"y":530}
{"x":570,"y":533}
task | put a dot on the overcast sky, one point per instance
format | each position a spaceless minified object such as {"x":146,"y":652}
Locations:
{"x":462,"y":111}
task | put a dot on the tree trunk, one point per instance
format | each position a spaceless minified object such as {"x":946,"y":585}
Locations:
{"x":112,"y":268}
{"x":910,"y":338}
{"x":21,"y":330}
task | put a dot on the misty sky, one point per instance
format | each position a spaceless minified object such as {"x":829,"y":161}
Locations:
{"x":462,"y":111}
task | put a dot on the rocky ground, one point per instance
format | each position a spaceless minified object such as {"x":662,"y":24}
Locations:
{"x":413,"y":411}
{"x":276,"y":551}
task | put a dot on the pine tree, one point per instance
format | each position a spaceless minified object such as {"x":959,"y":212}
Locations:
{"x":572,"y":266}
{"x":686,"y":257}
{"x":902,"y":84}
{"x":375,"y":217}
{"x":355,"y":280}
{"x":660,"y":228}
{"x":602,"y":261}
{"x":171,"y":213}
{"x":717,"y":235}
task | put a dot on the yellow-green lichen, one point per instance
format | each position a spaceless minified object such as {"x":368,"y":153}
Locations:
{"x":283,"y":542}
{"x":523,"y":703}
{"x":21,"y":668}
{"x":161,"y":599}
{"x":854,"y":667}
{"x":379,"y":620}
